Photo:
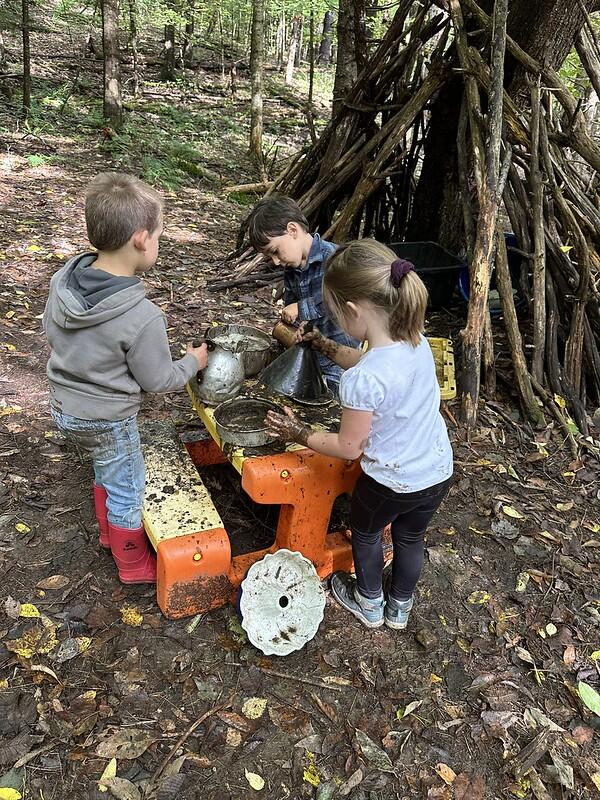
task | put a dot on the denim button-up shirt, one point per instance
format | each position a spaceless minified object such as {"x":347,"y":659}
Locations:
{"x":304,"y":285}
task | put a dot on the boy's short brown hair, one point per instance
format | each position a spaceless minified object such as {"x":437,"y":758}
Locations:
{"x":116,"y":206}
{"x":270,"y":218}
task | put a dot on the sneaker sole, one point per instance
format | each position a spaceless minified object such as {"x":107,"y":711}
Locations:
{"x":356,"y":614}
{"x":396,"y":626}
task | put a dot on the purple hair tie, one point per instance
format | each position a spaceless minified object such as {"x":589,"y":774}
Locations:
{"x":400,"y":267}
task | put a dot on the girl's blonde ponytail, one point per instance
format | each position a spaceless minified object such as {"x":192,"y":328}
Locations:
{"x":362,"y":270}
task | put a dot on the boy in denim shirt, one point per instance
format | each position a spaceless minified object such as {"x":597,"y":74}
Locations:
{"x":108,"y":344}
{"x":278,"y":229}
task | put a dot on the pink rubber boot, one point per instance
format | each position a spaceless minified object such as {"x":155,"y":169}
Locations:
{"x":100,"y":507}
{"x":134,"y":559}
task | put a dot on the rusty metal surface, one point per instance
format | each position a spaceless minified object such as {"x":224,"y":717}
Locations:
{"x":184,"y":598}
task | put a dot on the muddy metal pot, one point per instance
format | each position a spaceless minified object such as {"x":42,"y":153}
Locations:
{"x":254,"y":345}
{"x":241,"y":421}
{"x":224,"y":374}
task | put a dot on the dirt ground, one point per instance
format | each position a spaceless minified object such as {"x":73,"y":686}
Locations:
{"x":477,"y":699}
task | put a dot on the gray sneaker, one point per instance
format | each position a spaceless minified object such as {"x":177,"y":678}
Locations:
{"x":345,"y":590}
{"x":397,"y":613}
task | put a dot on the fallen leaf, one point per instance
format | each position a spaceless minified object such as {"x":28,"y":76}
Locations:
{"x":110,"y":771}
{"x":131,"y":616}
{"x":12,"y":607}
{"x":123,"y":789}
{"x":53,"y":582}
{"x":128,"y":744}
{"x":467,"y":787}
{"x":71,"y":647}
{"x":512,"y":512}
{"x":522,"y":581}
{"x":28,"y":610}
{"x":233,"y":738}
{"x":41,"y":640}
{"x":255,"y":781}
{"x":254,"y":707}
{"x":524,"y":655}
{"x":569,"y":655}
{"x":564,"y":506}
{"x":445,"y":772}
{"x":46,"y":670}
{"x":401,"y":713}
{"x":378,"y":757}
{"x":22,"y":528}
{"x":311,"y":773}
{"x":582,"y":734}
{"x":353,"y":781}
{"x":589,"y":696}
{"x":562,"y":772}
{"x":478,"y":597}
{"x":10,"y":794}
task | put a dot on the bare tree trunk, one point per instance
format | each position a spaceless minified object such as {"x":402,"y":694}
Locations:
{"x":345,"y":68}
{"x":546,"y":29}
{"x":2,"y":52}
{"x":113,"y":104}
{"x":360,"y":34}
{"x":168,"y":70}
{"x":188,"y":36}
{"x":280,"y":39}
{"x":256,"y":78}
{"x":26,"y":59}
{"x":298,"y":57}
{"x":222,"y":43}
{"x":488,"y":212}
{"x":294,"y":39}
{"x":133,"y":39}
{"x":324,"y":56}
{"x":311,"y":56}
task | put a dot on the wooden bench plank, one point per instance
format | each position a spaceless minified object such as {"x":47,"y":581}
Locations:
{"x":176,"y":502}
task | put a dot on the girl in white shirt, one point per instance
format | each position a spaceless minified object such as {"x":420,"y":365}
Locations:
{"x":391,"y":419}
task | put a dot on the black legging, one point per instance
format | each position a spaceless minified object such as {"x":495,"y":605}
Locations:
{"x":373,"y":507}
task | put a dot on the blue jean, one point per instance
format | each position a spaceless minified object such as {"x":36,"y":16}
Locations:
{"x":116,"y":454}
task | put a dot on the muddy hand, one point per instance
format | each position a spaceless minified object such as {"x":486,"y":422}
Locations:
{"x":201,"y":354}
{"x":287,"y":427}
{"x":306,"y":333}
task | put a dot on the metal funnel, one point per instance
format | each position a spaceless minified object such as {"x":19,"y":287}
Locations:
{"x":296,"y":373}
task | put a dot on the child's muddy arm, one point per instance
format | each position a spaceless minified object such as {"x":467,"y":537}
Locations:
{"x":340,"y":354}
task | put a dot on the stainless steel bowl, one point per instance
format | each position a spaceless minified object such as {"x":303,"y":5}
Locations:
{"x":254,"y":344}
{"x":241,"y":421}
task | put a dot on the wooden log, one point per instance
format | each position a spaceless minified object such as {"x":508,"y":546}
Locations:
{"x":246,"y":188}
{"x":489,"y":203}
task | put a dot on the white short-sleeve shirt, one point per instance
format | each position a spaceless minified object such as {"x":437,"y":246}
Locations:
{"x":408,"y":447}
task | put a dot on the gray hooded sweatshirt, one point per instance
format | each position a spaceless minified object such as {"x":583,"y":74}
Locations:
{"x":108,"y":343}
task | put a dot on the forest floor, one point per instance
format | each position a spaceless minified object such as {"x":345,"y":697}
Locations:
{"x":476,"y":699}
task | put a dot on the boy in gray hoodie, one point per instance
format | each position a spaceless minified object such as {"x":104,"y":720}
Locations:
{"x":108,"y":344}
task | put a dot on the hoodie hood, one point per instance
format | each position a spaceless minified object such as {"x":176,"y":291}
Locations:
{"x":86,"y":297}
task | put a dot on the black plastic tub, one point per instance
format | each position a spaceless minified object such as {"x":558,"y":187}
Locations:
{"x":436,"y":266}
